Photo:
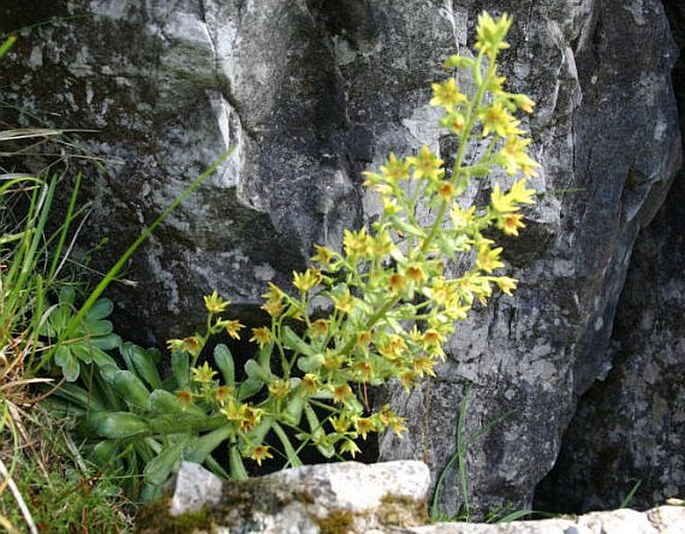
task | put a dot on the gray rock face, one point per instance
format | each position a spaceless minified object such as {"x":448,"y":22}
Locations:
{"x":312,"y":92}
{"x":630,"y":428}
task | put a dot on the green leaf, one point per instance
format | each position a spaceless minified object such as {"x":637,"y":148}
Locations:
{"x":180,"y":368}
{"x":317,"y":431}
{"x":80,"y":397}
{"x":201,"y":448}
{"x":68,"y":363}
{"x":295,"y":343}
{"x":104,"y":452}
{"x":264,"y":357}
{"x":101,"y":309}
{"x":258,"y":433}
{"x":121,"y":425}
{"x":67,"y":295}
{"x":82,"y":351}
{"x":165,"y":402}
{"x":131,"y":389}
{"x":108,"y":342}
{"x":158,"y":470}
{"x":310,"y":364}
{"x":180,"y":423}
{"x":235,"y":462}
{"x":293,"y":409}
{"x":256,"y":372}
{"x":145,"y":366}
{"x":248,"y":388}
{"x":99,"y":328}
{"x":293,"y":458}
{"x":224,"y":361}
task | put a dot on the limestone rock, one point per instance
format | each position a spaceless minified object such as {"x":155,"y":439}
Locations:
{"x":340,"y":497}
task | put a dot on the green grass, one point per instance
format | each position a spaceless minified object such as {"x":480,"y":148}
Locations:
{"x":45,"y":484}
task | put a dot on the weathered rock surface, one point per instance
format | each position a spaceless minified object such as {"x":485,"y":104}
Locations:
{"x":310,"y":93}
{"x":356,"y":498}
{"x":341,"y":497}
{"x":630,"y":428}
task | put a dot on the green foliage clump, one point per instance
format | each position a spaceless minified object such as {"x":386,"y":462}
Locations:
{"x":377,"y":310}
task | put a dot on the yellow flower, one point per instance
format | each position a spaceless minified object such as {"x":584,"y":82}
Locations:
{"x":233,"y":327}
{"x":273,"y":304}
{"x":427,"y":165}
{"x":496,"y":118}
{"x":447,"y":95}
{"x":343,"y":302}
{"x":382,"y":245}
{"x":363,"y":369}
{"x":261,"y":336}
{"x":390,"y":207}
{"x":358,"y":244}
{"x":364,"y":425}
{"x":309,"y":384}
{"x":204,"y":374}
{"x":340,"y":423}
{"x":454,"y":122}
{"x":442,"y":291}
{"x":279,"y":388}
{"x":395,"y":169}
{"x":396,"y":283}
{"x":222,"y":394}
{"x":332,"y":360}
{"x":432,"y":338}
{"x":214,"y":303}
{"x":184,"y":397}
{"x":388,"y":418}
{"x":243,"y":415}
{"x":510,"y":224}
{"x":490,"y":33}
{"x":462,"y":218}
{"x":349,"y":446}
{"x":192,"y":345}
{"x":397,"y":425}
{"x":502,"y":202}
{"x":341,"y":393}
{"x":423,"y":364}
{"x":363,"y":339}
{"x":306,"y":280}
{"x":323,"y":256}
{"x":260,"y":453}
{"x":175,"y":345}
{"x":408,"y":379}
{"x":446,"y":190}
{"x":393,"y":348}
{"x":524,"y":103}
{"x":520,"y":194}
{"x":513,"y":156}
{"x":488,"y":259}
{"x":506,"y":285}
{"x":319,"y":327}
{"x":415,"y":274}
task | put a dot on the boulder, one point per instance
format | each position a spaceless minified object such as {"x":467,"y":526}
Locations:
{"x":340,"y":497}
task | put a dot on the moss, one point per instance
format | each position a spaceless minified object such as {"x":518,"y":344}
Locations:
{"x":402,"y":512}
{"x":337,"y":522}
{"x":155,"y":518}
